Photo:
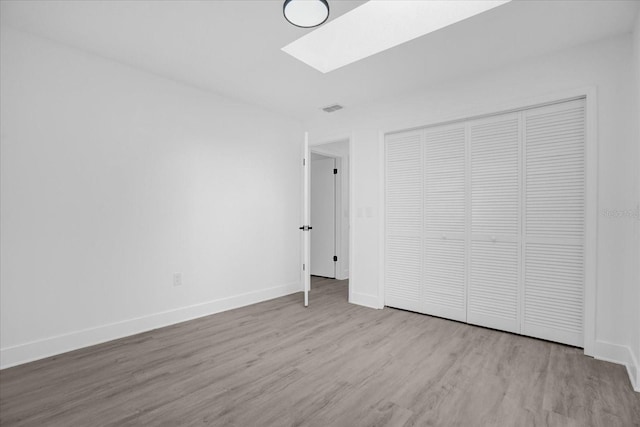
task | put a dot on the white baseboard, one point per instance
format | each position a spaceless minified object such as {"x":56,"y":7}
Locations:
{"x":342,"y":276}
{"x":366,"y":300}
{"x":622,"y":355}
{"x":635,"y":372}
{"x":35,"y":350}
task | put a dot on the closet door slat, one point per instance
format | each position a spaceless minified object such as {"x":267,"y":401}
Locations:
{"x":494,"y":277}
{"x":444,"y":283}
{"x":403,"y":219}
{"x":554,"y":219}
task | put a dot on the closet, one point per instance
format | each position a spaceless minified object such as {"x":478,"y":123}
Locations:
{"x":484,"y":221}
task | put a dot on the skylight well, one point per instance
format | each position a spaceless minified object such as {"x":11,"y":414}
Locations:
{"x":379,"y":25}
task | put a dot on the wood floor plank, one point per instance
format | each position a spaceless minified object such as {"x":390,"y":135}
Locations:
{"x":278,"y":363}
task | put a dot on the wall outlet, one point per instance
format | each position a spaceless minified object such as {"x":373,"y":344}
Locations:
{"x":177,"y":279}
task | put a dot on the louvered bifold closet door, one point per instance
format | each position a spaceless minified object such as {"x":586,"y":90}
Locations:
{"x":403,"y":220}
{"x":444,"y":284}
{"x":494,"y":275}
{"x":554,"y":221}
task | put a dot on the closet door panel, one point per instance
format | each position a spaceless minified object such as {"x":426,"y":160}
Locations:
{"x":485,"y":220}
{"x":445,"y":207}
{"x":494,"y":278}
{"x":554,"y":222}
{"x":403,"y":220}
{"x":444,"y":180}
{"x":494,"y":290}
{"x":444,"y":278}
{"x":554,"y":292}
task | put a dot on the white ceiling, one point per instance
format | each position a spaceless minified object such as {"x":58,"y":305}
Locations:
{"x":234,"y":47}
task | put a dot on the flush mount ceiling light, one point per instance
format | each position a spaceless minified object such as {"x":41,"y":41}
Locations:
{"x":306,"y":13}
{"x":379,"y":25}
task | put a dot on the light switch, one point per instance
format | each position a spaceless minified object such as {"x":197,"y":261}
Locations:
{"x":177,"y":279}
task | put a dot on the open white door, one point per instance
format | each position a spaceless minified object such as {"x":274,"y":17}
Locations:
{"x":305,"y":228}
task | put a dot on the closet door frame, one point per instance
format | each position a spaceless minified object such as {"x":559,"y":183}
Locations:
{"x":591,"y":186}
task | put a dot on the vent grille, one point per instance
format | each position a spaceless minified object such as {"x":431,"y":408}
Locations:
{"x":332,"y":108}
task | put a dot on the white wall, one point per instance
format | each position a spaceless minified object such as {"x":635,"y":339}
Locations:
{"x":606,"y":64}
{"x":112,"y":180}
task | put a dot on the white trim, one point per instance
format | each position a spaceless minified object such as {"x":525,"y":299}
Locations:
{"x":502,"y":108}
{"x":381,"y":218}
{"x":591,"y":201}
{"x":468,"y":203}
{"x":318,"y":150}
{"x":633,"y":369}
{"x":347,"y":136}
{"x":622,"y":355}
{"x":339,"y":219}
{"x":591,"y":220}
{"x":365,"y":300}
{"x":351,"y":215}
{"x":40,"y":349}
{"x":305,"y":235}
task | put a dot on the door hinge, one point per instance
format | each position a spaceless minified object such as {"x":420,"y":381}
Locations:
{"x":335,"y":258}
{"x":335,"y":171}
{"x":304,"y":162}
{"x":303,"y":267}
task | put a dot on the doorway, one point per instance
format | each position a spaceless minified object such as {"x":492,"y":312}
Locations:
{"x":323,"y":216}
{"x":329,"y":212}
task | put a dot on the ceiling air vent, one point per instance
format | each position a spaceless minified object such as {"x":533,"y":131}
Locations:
{"x":332,"y":108}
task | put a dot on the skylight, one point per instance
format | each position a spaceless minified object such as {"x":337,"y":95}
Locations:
{"x":379,"y":25}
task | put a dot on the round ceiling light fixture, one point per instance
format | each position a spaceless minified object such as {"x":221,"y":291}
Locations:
{"x":306,"y":13}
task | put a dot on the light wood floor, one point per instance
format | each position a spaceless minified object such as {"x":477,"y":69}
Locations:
{"x":332,"y":364}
